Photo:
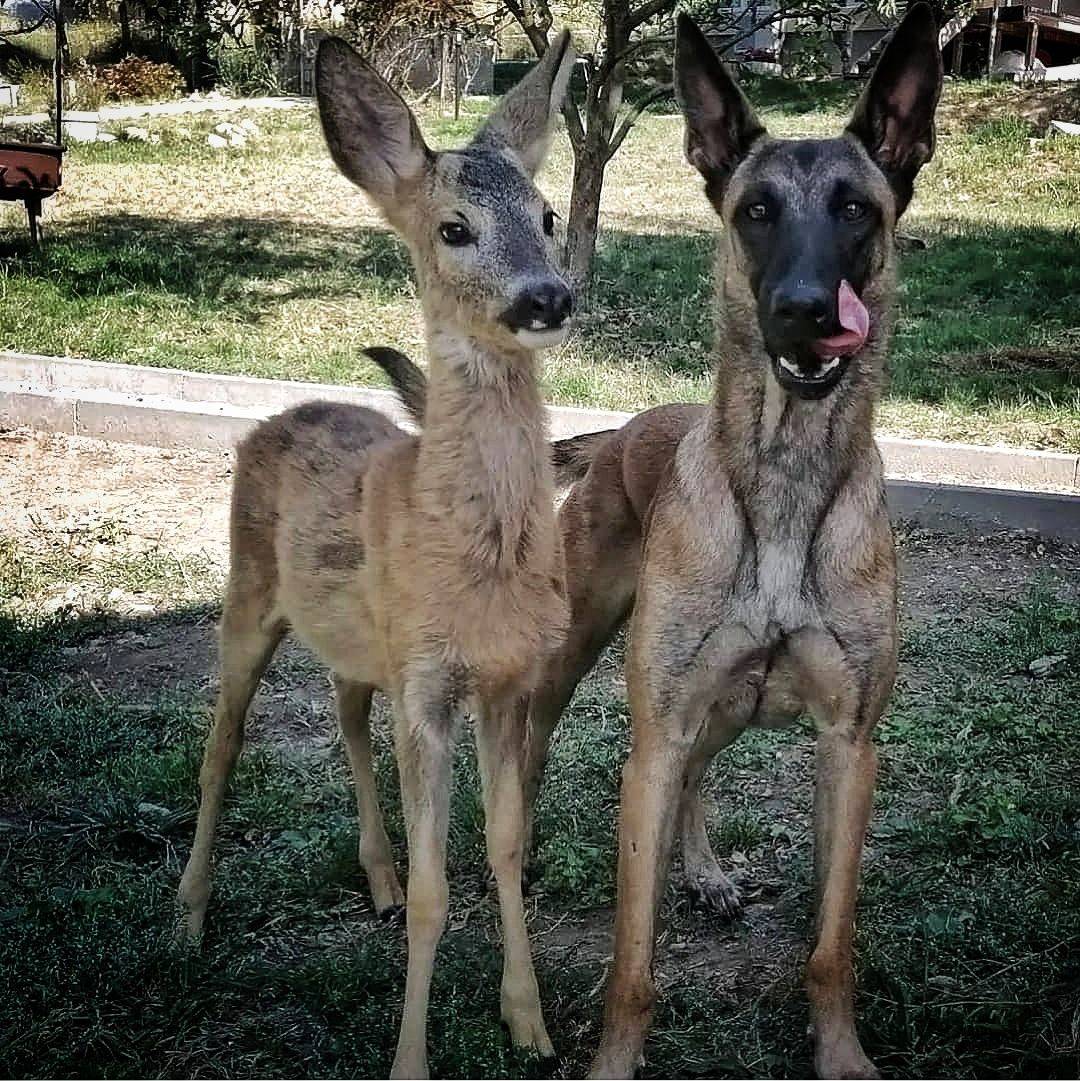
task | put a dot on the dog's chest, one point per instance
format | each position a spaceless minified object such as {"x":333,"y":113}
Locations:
{"x":772,"y":592}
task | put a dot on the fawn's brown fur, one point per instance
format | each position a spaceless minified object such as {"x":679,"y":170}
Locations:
{"x":428,"y":567}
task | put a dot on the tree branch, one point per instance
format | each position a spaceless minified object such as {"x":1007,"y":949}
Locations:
{"x":649,"y":10}
{"x":621,"y":132}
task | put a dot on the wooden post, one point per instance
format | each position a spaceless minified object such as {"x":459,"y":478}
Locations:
{"x":958,"y":55}
{"x":1032,"y":45}
{"x":444,"y":74}
{"x":457,"y":75}
{"x":33,"y":217}
{"x":125,"y":27}
{"x":991,"y":48}
{"x":58,"y":72}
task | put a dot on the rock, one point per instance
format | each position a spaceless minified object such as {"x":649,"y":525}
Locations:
{"x":1041,"y":666}
{"x":1012,"y":63}
{"x":137,"y":135}
{"x":249,"y":127}
{"x":1063,"y":127}
{"x":105,"y":137}
{"x":218,"y":142}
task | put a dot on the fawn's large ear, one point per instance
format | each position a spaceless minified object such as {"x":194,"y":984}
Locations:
{"x":720,"y":123}
{"x":894,"y":118}
{"x":522,"y":121}
{"x":371,"y":132}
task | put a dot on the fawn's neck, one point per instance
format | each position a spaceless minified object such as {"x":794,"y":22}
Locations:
{"x":484,"y":466}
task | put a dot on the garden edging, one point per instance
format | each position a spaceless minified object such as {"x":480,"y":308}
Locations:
{"x":175,"y":408}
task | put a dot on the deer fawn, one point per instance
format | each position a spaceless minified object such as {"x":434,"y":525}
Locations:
{"x":429,"y":567}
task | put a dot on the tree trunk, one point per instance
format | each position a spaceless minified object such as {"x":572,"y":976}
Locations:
{"x":581,"y":227}
{"x":444,"y":74}
{"x":125,"y":28}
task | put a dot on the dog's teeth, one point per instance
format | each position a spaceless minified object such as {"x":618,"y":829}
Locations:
{"x":789,"y":367}
{"x":828,"y":367}
{"x":538,"y":324}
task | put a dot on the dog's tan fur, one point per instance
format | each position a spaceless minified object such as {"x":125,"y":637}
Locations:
{"x":431,"y":567}
{"x":768,"y":578}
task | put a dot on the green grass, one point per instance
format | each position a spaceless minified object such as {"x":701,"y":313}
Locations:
{"x":264,"y":261}
{"x":969,"y":921}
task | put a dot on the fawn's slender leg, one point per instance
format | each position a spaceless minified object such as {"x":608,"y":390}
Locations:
{"x":424,"y":721}
{"x":248,"y":640}
{"x":354,"y":716}
{"x":500,"y":747}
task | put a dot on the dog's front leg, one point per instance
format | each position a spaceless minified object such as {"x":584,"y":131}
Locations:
{"x":671,"y":705}
{"x":845,"y":708}
{"x":500,"y":749}
{"x":424,"y":714}
{"x":652,"y":784}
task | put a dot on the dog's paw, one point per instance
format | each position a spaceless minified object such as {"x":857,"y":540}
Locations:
{"x":711,"y":889}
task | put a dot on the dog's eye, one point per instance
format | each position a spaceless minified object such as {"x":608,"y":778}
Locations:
{"x":854,"y":210}
{"x":455,"y":234}
{"x":549,"y":221}
{"x":757,"y":211}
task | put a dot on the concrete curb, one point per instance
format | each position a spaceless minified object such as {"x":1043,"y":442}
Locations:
{"x":960,"y":508}
{"x":239,"y":398}
{"x":932,"y":481}
{"x":184,"y":107}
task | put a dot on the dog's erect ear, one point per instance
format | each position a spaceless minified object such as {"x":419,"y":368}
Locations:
{"x":894,"y":118}
{"x":372,"y":135}
{"x":522,"y":121}
{"x":720,"y":123}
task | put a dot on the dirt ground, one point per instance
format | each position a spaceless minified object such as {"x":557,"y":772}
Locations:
{"x":177,"y":501}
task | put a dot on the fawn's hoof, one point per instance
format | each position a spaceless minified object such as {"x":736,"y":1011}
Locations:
{"x":844,"y":1060}
{"x":527,"y":1030}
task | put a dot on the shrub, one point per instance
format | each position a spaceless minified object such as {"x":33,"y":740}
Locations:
{"x":246,"y":70}
{"x":135,"y":77}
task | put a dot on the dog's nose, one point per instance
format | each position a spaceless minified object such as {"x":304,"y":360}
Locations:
{"x":551,"y":303}
{"x":803,"y":308}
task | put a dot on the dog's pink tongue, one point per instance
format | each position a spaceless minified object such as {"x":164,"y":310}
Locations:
{"x":855,"y":320}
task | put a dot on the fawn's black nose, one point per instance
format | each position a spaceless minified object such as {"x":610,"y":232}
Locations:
{"x":802,"y":310}
{"x":543,"y":306}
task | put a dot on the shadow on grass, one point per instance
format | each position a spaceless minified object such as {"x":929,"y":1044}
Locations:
{"x":245,"y":264}
{"x":794,"y":97}
{"x":987,"y":314}
{"x":967,"y":930}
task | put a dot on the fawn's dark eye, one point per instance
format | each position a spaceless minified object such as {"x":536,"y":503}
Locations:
{"x":549,"y":221}
{"x":854,"y":210}
{"x":455,"y":234}
{"x":757,"y":212}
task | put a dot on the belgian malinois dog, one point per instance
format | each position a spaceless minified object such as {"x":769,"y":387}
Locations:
{"x":753,"y":532}
{"x":429,"y":567}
